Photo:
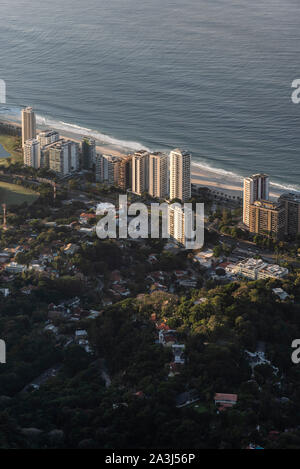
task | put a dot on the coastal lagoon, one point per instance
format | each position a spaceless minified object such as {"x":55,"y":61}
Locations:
{"x":213,"y":77}
{"x":3,"y":152}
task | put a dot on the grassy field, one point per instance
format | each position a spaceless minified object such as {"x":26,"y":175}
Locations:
{"x":13,"y":194}
{"x":11,"y":144}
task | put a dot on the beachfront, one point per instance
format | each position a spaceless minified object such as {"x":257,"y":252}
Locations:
{"x":216,"y":180}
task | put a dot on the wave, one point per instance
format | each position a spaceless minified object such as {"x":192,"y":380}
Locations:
{"x":12,"y":112}
{"x":218,"y":171}
{"x":288,"y":188}
{"x":86,"y":132}
{"x":238,"y":178}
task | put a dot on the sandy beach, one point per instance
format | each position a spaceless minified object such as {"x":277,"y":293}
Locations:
{"x":218,"y":181}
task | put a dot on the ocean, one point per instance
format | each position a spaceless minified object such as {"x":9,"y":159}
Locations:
{"x":210,"y":76}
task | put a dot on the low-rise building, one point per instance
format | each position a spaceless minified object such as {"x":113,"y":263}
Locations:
{"x":86,"y":217}
{"x":70,"y":249}
{"x":224,"y":401}
{"x":15,"y":268}
{"x":255,"y":269}
{"x":283,"y":295}
{"x":187,"y":398}
{"x":273,"y":271}
{"x":205,"y":258}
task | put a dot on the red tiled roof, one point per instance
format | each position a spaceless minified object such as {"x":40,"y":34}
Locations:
{"x":223,"y":265}
{"x":230,"y":398}
{"x":87,"y":215}
{"x":163,"y":326}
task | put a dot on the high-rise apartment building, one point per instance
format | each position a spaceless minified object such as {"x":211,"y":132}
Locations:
{"x":47,"y":137}
{"x":256,"y":187}
{"x":32,"y":153}
{"x":64,"y":157}
{"x":28,"y":125}
{"x":180,"y":175}
{"x":99,"y":168}
{"x":267,"y":218}
{"x":176,"y":224}
{"x":88,"y":153}
{"x":291,"y":203}
{"x":158,"y":175}
{"x":180,"y":224}
{"x":125,"y":173}
{"x":140,"y":172}
{"x":107,"y":169}
{"x":74,"y":163}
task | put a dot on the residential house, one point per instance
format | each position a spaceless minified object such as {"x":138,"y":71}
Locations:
{"x":224,"y":401}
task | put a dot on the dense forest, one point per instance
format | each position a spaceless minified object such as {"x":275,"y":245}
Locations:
{"x":138,"y":409}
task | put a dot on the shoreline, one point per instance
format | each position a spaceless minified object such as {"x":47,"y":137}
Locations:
{"x":201,"y":176}
{"x":221,"y":184}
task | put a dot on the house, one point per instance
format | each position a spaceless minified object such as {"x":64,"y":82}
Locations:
{"x":118,"y":405}
{"x":51,"y":328}
{"x":50,"y":224}
{"x":94,"y":314}
{"x":180,"y":273}
{"x":157,"y":276}
{"x":86,"y":217}
{"x":283,"y":295}
{"x":186,"y":398}
{"x":4,"y":257}
{"x":106,"y":302}
{"x":205,"y":258}
{"x":163,"y":327}
{"x":224,"y":401}
{"x":15,"y":268}
{"x":70,"y":249}
{"x":85,"y":344}
{"x":36,"y":267}
{"x":5,"y":291}
{"x":200,"y":301}
{"x":188,"y":283}
{"x":88,"y":231}
{"x":119,"y":291}
{"x":152,"y":259}
{"x":79,"y":334}
{"x":27,"y":290}
{"x":158,"y":287}
{"x":178,"y":351}
{"x":167,"y":338}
